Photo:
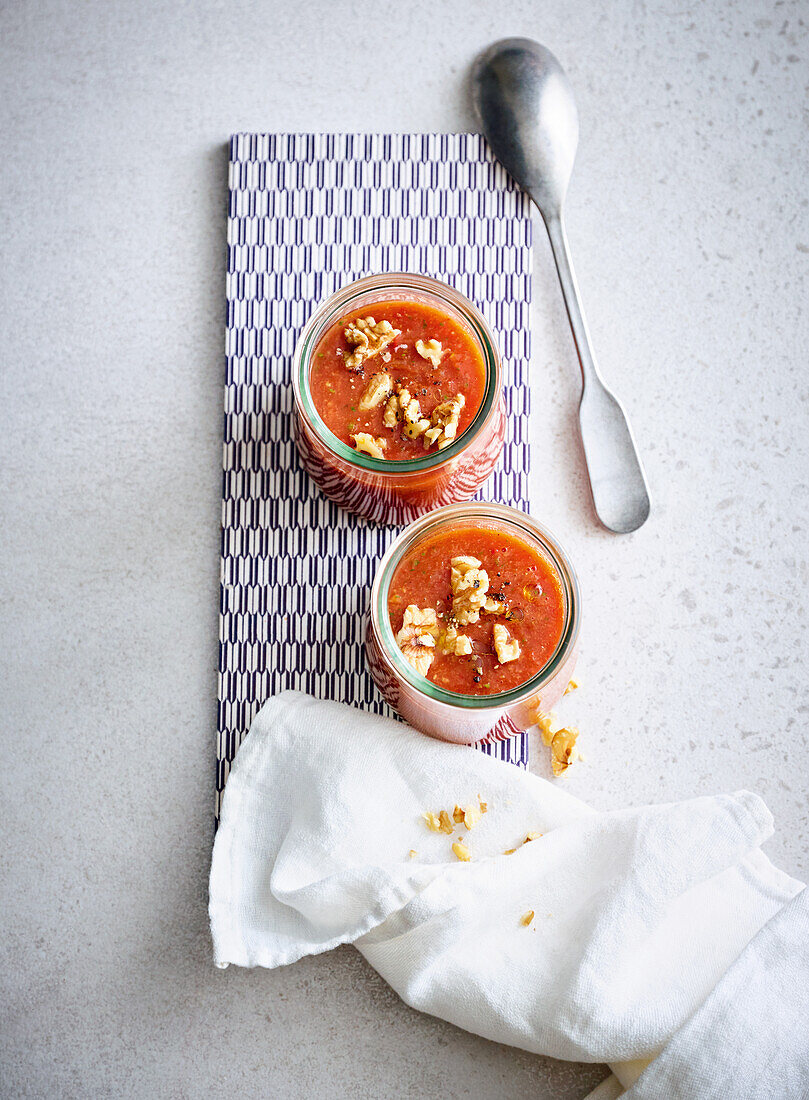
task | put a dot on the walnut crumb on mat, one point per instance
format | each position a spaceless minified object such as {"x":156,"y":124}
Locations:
{"x":526,"y":918}
{"x":461,"y":851}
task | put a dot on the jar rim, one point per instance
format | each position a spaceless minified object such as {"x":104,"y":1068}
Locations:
{"x":340,"y":302}
{"x":506,"y":517}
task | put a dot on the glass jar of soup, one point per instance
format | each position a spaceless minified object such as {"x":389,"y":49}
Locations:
{"x":473,"y":622}
{"x":398,"y":397}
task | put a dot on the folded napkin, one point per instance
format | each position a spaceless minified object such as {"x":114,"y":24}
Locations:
{"x":638,"y":913}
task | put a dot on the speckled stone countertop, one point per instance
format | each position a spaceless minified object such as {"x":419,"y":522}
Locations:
{"x":688,"y":221}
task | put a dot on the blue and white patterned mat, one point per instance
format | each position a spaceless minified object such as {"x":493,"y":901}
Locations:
{"x":308,"y":214}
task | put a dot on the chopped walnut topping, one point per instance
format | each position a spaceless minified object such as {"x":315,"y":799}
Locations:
{"x":446,"y":822}
{"x":457,"y":815}
{"x":432,"y":822}
{"x":417,"y":637}
{"x":469,"y":585}
{"x":369,"y":444}
{"x":430,"y":349}
{"x":506,"y":647}
{"x":494,"y":607}
{"x":368,"y":338}
{"x":402,"y":406}
{"x":445,"y":419}
{"x":376,"y":391}
{"x":453,"y":643}
{"x":526,"y":918}
{"x":461,"y":851}
{"x":414,"y":423}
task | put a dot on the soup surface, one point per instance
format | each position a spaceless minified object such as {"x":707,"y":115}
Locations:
{"x":397,"y":380}
{"x":476,"y":610}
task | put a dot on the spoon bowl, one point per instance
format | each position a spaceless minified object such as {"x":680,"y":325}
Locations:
{"x":528,"y":114}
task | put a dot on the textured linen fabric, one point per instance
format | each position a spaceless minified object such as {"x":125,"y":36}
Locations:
{"x":638,"y":913}
{"x":308,"y":214}
{"x":751,"y":1036}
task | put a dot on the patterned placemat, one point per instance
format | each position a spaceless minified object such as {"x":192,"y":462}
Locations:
{"x":308,"y":214}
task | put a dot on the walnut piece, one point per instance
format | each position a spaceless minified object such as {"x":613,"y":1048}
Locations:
{"x":469,"y":585}
{"x":495,"y":607}
{"x":471,"y":816}
{"x":430,"y":349}
{"x":432,"y":821}
{"x":376,"y":391}
{"x":367,"y":338}
{"x":445,"y":419}
{"x":506,"y":647}
{"x":461,"y":851}
{"x":369,"y":444}
{"x":417,"y":637}
{"x":526,"y":918}
{"x":562,"y":743}
{"x":455,"y":644}
{"x":571,"y":686}
{"x":563,"y":750}
{"x":414,"y":423}
{"x":402,"y":406}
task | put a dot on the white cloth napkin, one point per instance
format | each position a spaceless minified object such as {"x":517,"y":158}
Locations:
{"x":637,"y":913}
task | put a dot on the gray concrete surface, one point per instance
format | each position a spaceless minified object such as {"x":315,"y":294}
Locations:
{"x":688,"y":221}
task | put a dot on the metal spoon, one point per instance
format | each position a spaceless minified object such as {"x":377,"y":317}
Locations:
{"x":528,"y":115}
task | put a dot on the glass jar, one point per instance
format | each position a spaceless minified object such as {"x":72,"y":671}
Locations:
{"x":389,"y":491}
{"x":449,"y":715}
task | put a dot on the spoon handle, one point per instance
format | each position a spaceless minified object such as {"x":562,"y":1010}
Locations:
{"x":617,"y":480}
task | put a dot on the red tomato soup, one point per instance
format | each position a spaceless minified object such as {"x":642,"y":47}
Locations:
{"x":397,"y":380}
{"x":476,"y":610}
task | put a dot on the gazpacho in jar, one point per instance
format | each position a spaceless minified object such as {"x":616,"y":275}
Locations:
{"x":398,"y":397}
{"x":396,"y":379}
{"x":476,"y":610}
